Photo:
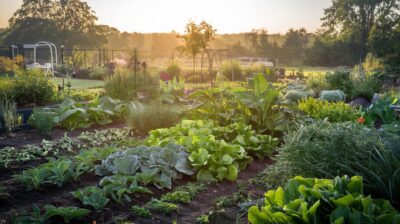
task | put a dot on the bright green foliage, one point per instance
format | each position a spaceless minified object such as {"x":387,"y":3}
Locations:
{"x":27,"y":87}
{"x":333,"y":111}
{"x":85,"y":160}
{"x":54,"y":172}
{"x":325,"y":149}
{"x":332,"y":95}
{"x":161,"y":206}
{"x":263,"y":104}
{"x":210,"y":152}
{"x":157,"y":165}
{"x":311,"y":200}
{"x":192,"y":188}
{"x":258,"y":106}
{"x":119,"y":186}
{"x":42,"y":120}
{"x":68,"y":213}
{"x":382,"y":111}
{"x":141,"y":211}
{"x":218,"y":104}
{"x":92,"y":196}
{"x":177,"y":196}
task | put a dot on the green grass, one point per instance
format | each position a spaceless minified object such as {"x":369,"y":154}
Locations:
{"x":79,"y":83}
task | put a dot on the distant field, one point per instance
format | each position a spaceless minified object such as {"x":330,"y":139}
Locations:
{"x":79,"y":83}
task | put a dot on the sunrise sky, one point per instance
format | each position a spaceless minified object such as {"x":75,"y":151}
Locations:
{"x":231,"y":16}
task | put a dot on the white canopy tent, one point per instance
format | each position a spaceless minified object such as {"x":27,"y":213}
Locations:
{"x":32,"y":63}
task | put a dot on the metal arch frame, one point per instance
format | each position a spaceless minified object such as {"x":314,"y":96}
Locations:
{"x":52,"y":48}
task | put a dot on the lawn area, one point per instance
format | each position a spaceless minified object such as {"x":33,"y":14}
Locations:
{"x":79,"y":83}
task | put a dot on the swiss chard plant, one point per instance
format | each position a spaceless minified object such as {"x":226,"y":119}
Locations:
{"x":311,"y":200}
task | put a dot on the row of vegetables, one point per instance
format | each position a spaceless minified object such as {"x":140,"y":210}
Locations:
{"x":214,"y":149}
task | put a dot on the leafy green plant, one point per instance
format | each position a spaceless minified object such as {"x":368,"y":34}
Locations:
{"x":324,"y":149}
{"x":210,"y":154}
{"x":177,"y":196}
{"x":312,"y":200}
{"x":86,"y":159}
{"x":9,"y":156}
{"x":55,"y":172}
{"x":157,"y":165}
{"x":232,"y":70}
{"x":92,"y":196}
{"x":110,"y":136}
{"x":172,"y":90}
{"x":67,"y":213}
{"x":42,"y":120}
{"x":333,"y":111}
{"x":382,"y":111}
{"x":166,"y":208}
{"x":141,"y":212}
{"x":119,"y":186}
{"x":31,"y":87}
{"x":37,"y":217}
{"x":220,"y":104}
{"x":263,"y":103}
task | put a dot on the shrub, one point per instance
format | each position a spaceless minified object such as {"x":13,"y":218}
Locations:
{"x":332,"y":95}
{"x":293,"y":96}
{"x":98,"y":73}
{"x":317,"y":83}
{"x":174,"y":70}
{"x":31,"y":87}
{"x":333,"y":111}
{"x":367,"y":87}
{"x":310,"y":200}
{"x":124,"y":85}
{"x":232,"y":70}
{"x":340,"y":80}
{"x":326,"y":150}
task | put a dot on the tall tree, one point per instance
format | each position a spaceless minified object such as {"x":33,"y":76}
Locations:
{"x":294,"y":46}
{"x":73,"y":21}
{"x":356,"y":18}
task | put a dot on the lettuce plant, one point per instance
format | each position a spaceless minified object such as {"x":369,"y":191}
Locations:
{"x":311,"y":200}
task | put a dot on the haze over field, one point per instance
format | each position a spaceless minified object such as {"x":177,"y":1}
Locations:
{"x":233,"y":16}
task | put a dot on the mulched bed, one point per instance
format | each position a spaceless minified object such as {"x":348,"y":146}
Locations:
{"x":201,"y":204}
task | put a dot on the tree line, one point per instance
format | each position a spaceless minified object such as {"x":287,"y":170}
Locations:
{"x":351,"y":29}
